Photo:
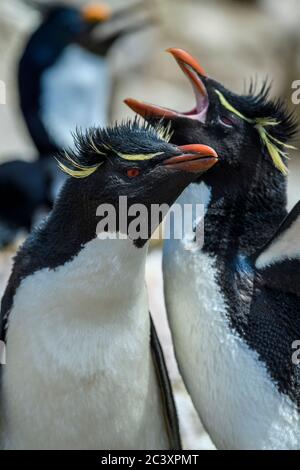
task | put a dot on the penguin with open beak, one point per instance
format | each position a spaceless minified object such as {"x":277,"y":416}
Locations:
{"x":233,"y":303}
{"x":82,"y":371}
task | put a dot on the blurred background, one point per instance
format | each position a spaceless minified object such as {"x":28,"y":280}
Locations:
{"x":234,"y":40}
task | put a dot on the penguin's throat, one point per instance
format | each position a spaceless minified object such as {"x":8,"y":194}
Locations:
{"x":105,"y":272}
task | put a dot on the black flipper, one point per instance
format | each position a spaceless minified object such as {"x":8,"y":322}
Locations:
{"x":166,"y":391}
{"x":278,"y":262}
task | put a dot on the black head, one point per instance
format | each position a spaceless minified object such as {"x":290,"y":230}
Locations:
{"x":248,"y":132}
{"x":131,"y":160}
{"x":66,"y":24}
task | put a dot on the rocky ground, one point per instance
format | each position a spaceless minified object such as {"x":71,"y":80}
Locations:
{"x":235,"y":41}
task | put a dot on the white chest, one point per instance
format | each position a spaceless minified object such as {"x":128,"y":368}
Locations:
{"x":75,"y":94}
{"x":231,"y":390}
{"x":79,"y":373}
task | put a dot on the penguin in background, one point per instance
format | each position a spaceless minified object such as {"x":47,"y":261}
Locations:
{"x":233,"y":304}
{"x":81,"y":372}
{"x":57,"y":77}
{"x":62,"y":86}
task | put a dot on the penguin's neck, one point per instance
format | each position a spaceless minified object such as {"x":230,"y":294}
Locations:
{"x":242,"y":219}
{"x":94,"y":279}
{"x":103,"y":283}
{"x":74,"y":224}
{"x":41,"y":53}
{"x":44,"y":48}
{"x":67,"y":242}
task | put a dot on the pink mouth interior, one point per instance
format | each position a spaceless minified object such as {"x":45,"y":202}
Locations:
{"x":199,"y":112}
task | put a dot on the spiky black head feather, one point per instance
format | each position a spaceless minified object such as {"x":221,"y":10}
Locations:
{"x":131,"y":160}
{"x":258,"y":104}
{"x":132,"y":140}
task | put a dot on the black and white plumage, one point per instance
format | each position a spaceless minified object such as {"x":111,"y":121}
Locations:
{"x":62,"y":86}
{"x":28,"y":188}
{"x":278,"y":261}
{"x":75,"y":314}
{"x":233,"y":303}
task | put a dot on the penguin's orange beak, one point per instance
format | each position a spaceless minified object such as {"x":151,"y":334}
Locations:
{"x":195,"y":158}
{"x":96,"y":13}
{"x":196,"y":75}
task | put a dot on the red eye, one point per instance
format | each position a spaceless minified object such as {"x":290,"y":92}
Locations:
{"x":226,"y":121}
{"x":132,"y":172}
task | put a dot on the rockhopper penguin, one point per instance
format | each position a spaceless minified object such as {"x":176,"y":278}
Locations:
{"x":233,"y":306}
{"x":80,"y":372}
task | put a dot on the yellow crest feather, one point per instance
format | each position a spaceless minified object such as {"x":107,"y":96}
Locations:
{"x":94,"y":147}
{"x":273,"y":150}
{"x":80,"y":171}
{"x":164,"y":132}
{"x":69,"y":163}
{"x":228,"y":106}
{"x":268,"y":140}
{"x":138,"y":157}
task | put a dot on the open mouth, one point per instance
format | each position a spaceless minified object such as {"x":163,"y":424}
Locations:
{"x":193,"y":71}
{"x":196,"y":158}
